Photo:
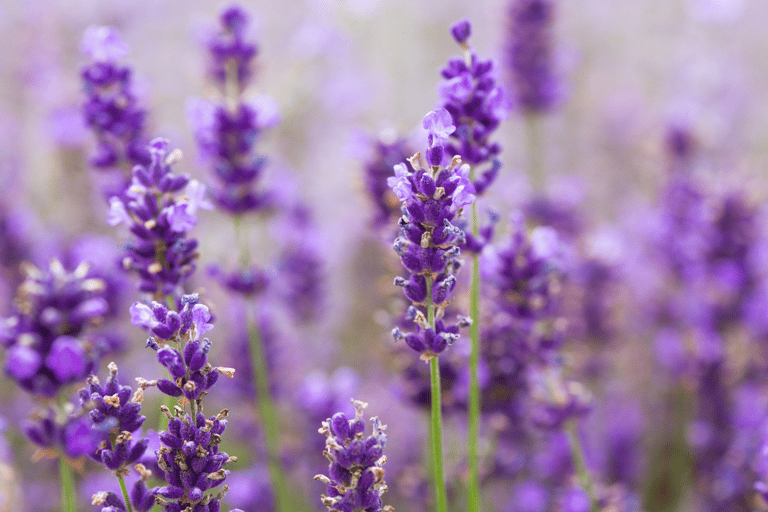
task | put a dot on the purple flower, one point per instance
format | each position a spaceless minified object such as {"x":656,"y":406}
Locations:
{"x":400,"y":183}
{"x":46,"y":338}
{"x":161,"y":253}
{"x":530,"y":56}
{"x":67,"y":359}
{"x":227,"y":134}
{"x":439,"y":125}
{"x":111,"y":108}
{"x":103,"y":44}
{"x":356,"y":478}
{"x":461,"y":31}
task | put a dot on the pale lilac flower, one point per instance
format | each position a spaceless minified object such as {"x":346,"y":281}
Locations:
{"x":400,"y":184}
{"x":117,"y":213}
{"x":439,"y":125}
{"x":142,"y":316}
{"x":103,"y":44}
{"x":200,"y":317}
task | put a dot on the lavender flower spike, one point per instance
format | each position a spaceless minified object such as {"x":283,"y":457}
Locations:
{"x":356,"y":471}
{"x":429,"y":242}
{"x":160,"y":217}
{"x":110,"y":108}
{"x":529,"y":55}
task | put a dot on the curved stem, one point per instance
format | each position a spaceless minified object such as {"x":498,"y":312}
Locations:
{"x":269,"y":419}
{"x":579,"y":462}
{"x":127,"y":499}
{"x":473,"y":485}
{"x":436,"y":417}
{"x":67,"y":486}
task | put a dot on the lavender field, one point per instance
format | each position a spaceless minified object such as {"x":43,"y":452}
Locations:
{"x":377,"y":255}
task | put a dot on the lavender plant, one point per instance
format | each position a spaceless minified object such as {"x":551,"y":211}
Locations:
{"x":226,"y":131}
{"x":433,"y":198}
{"x":356,"y":479}
{"x":477,"y":105}
{"x":48,"y":349}
{"x":111,"y":107}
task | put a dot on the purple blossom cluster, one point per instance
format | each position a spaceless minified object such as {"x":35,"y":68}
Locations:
{"x":530,"y":55}
{"x":46,"y":340}
{"x":356,"y":480}
{"x":115,"y":417}
{"x":227,"y":130}
{"x":477,"y":104}
{"x":428,"y":247}
{"x":111,"y":108}
{"x":162,"y":254}
{"x":615,"y":352}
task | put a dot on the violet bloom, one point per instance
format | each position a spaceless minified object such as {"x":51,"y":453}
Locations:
{"x":301,"y":273}
{"x":111,"y":109}
{"x":70,"y":436}
{"x":227,"y":130}
{"x":356,"y":480}
{"x":161,"y":255}
{"x":377,"y":169}
{"x":45,"y":342}
{"x":530,"y":56}
{"x":115,"y":417}
{"x":188,"y":366}
{"x":429,"y":243}
{"x":477,"y":104}
{"x":189,"y":458}
{"x":521,"y":343}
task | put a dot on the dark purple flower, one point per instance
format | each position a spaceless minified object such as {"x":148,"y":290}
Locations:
{"x":356,"y":475}
{"x":530,"y":58}
{"x":161,"y":253}
{"x":45,"y":338}
{"x":227,"y":130}
{"x":430,"y":238}
{"x":111,"y":109}
{"x":476,"y":104}
{"x":192,"y":462}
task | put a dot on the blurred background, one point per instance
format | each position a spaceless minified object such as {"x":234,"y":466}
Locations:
{"x":646,"y":92}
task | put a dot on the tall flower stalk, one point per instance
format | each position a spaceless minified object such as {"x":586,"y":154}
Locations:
{"x":433,"y":198}
{"x":477,"y":105}
{"x":227,"y":130}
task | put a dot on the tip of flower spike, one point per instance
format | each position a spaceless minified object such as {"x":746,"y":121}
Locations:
{"x":103,"y":44}
{"x":461,"y":31}
{"x":234,"y":18}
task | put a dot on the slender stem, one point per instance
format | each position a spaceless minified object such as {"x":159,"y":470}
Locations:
{"x":436,"y":423}
{"x":67,"y":486}
{"x":535,"y":150}
{"x":579,"y":462}
{"x":269,"y":419}
{"x":127,"y":499}
{"x":473,"y":434}
{"x":241,"y":235}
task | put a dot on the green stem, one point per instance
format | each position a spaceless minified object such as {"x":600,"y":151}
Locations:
{"x":535,"y":150}
{"x":67,"y":486}
{"x":241,"y":235}
{"x":269,"y":419}
{"x":579,"y":462}
{"x":127,"y":499}
{"x":473,"y":434}
{"x":436,"y":423}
